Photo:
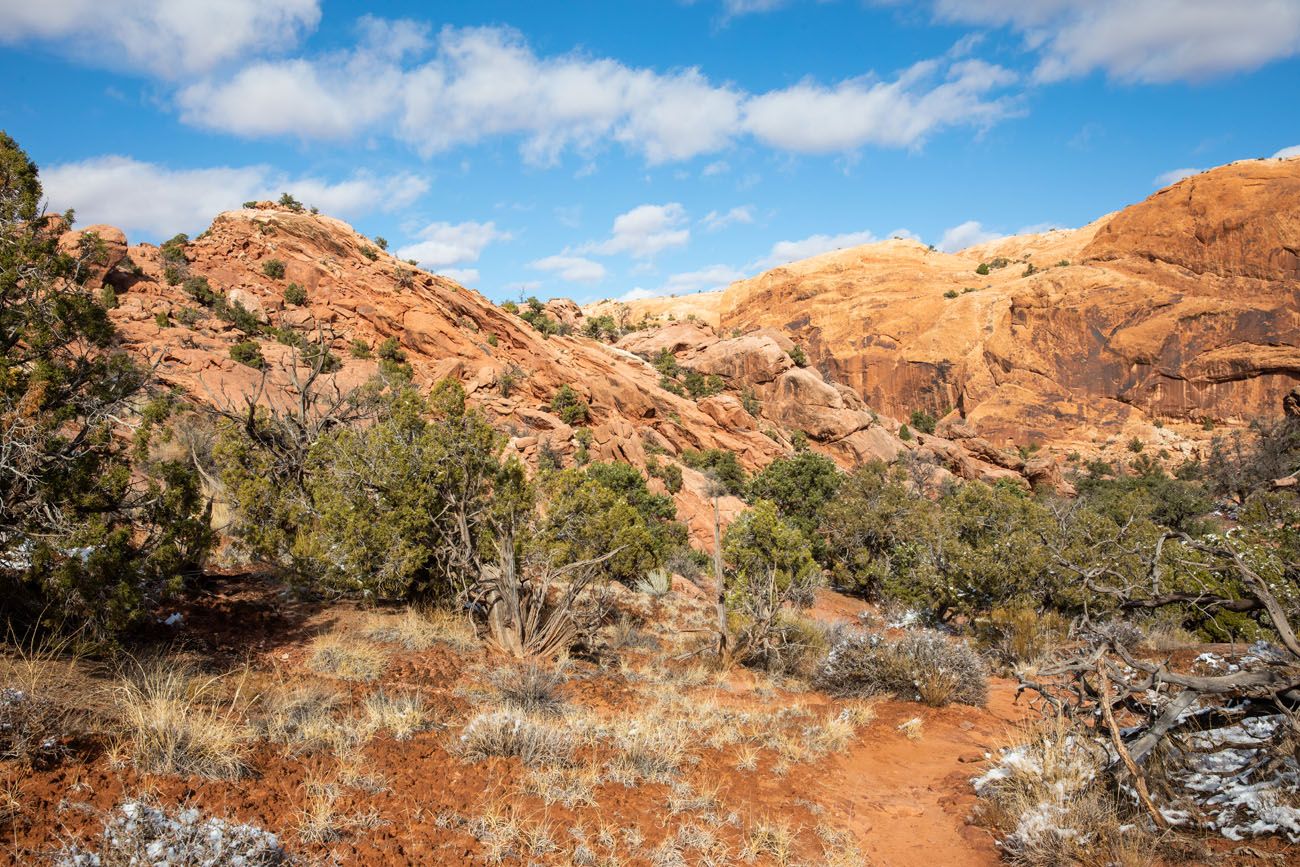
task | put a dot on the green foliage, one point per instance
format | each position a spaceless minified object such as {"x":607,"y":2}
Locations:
{"x":381,"y":242}
{"x":666,"y":363}
{"x":248,"y":353}
{"x":95,"y":532}
{"x":799,"y":486}
{"x":510,"y":307}
{"x":905,"y":433}
{"x":273,"y":268}
{"x":582,"y":455}
{"x":721,"y":465}
{"x":173,"y":249}
{"x":983,"y":269}
{"x":160,"y":319}
{"x":1136,"y":445}
{"x":534,"y":314}
{"x":923,"y":421}
{"x":370,"y":253}
{"x":295,"y":295}
{"x":798,"y":357}
{"x":359,"y":348}
{"x":669,"y":473}
{"x":107,"y":297}
{"x":601,"y":328}
{"x":770,"y":568}
{"x":951,"y":293}
{"x":396,"y":509}
{"x":606,"y":507}
{"x":750,"y":402}
{"x":291,"y":203}
{"x":569,"y":406}
{"x":201,"y":291}
{"x":189,"y":316}
{"x":391,"y":350}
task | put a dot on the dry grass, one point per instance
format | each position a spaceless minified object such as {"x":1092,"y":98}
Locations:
{"x":302,"y":718}
{"x":649,"y":748}
{"x":46,"y":700}
{"x":176,"y":722}
{"x":347,"y":659}
{"x":400,"y":715}
{"x":321,"y":819}
{"x":774,"y":839}
{"x":419,"y":628}
{"x":1048,"y":800}
{"x":505,"y":733}
{"x":913,"y":729}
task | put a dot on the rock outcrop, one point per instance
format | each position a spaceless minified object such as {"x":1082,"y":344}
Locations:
{"x":1182,"y":308}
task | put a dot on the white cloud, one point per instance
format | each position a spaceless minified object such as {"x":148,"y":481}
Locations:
{"x":644,"y":231}
{"x":487,"y":82}
{"x":814,"y":245}
{"x":736,"y":8}
{"x":712,"y":277}
{"x":636,"y":294}
{"x":1173,"y":176}
{"x":157,"y":201}
{"x":463,"y":276}
{"x":162,"y":37}
{"x":444,"y":244}
{"x":965,"y":235}
{"x":1287,"y":153}
{"x":717,"y":167}
{"x":813,"y":118}
{"x":714,"y":221}
{"x":572,"y":269}
{"x":1148,"y":41}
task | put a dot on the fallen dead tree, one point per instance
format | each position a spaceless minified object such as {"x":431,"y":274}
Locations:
{"x":1216,"y":751}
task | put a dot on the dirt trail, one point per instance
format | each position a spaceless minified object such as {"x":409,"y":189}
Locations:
{"x":909,"y":801}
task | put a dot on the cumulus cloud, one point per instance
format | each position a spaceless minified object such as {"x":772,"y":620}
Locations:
{"x":637,"y":294}
{"x":162,"y":37}
{"x":1173,"y":176}
{"x":965,"y":235}
{"x":814,"y":245}
{"x":463,"y":276}
{"x":486,"y":82}
{"x":572,"y":269}
{"x":711,"y":277}
{"x":813,"y":118}
{"x":1154,"y":41}
{"x":644,"y":231}
{"x":445,"y":244}
{"x":1286,"y":153}
{"x":158,"y":201}
{"x":715,"y":220}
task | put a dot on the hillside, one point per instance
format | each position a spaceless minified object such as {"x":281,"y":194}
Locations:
{"x":1179,"y":309}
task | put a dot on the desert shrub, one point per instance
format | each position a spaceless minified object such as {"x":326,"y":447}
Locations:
{"x":370,"y":253}
{"x":606,"y":507}
{"x":951,"y":293}
{"x":189,"y":316}
{"x":1020,"y":634}
{"x":1244,"y":462}
{"x":905,"y":433}
{"x":800,"y":486}
{"x":140,"y":833}
{"x":400,"y":714}
{"x":319,"y":357}
{"x":530,"y":688}
{"x":391,"y":350}
{"x":770,"y":568}
{"x":509,"y":733}
{"x":669,"y":473}
{"x":1046,"y":799}
{"x":201,"y":291}
{"x":93,"y":533}
{"x":381,"y":242}
{"x":401,"y":506}
{"x":534,"y":313}
{"x":923,"y":421}
{"x":749,"y":401}
{"x":720,"y":464}
{"x":273,"y":268}
{"x":161,"y":320}
{"x":291,"y":203}
{"x":982,"y":269}
{"x":248,"y":353}
{"x":569,"y":406}
{"x":922,"y":666}
{"x":359,"y":348}
{"x":655,"y":582}
{"x":798,"y":356}
{"x":295,"y":295}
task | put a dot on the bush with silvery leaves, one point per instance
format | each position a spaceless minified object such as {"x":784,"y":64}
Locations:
{"x":140,"y":834}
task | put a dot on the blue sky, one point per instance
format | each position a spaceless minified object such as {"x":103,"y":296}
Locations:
{"x":595,"y":149}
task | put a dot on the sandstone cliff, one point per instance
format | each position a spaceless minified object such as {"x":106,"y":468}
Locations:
{"x":1182,"y":308}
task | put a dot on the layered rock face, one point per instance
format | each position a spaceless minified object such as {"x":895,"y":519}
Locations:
{"x":1183,"y":307}
{"x":355,"y":292}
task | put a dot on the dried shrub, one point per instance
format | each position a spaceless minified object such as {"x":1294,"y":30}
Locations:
{"x":922,"y":666}
{"x":346,"y":659}
{"x":530,"y":688}
{"x":509,"y":733}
